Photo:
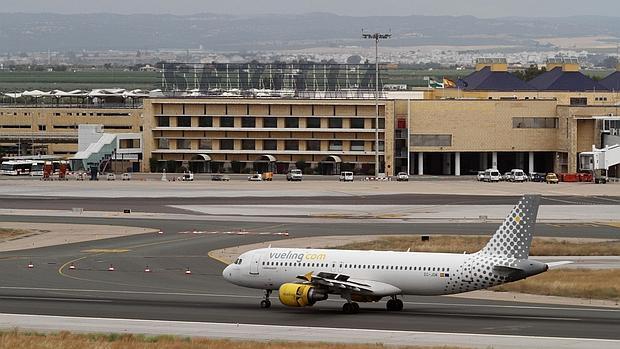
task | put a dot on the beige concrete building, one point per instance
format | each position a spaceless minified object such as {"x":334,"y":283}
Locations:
{"x":50,"y":130}
{"x":214,"y":134}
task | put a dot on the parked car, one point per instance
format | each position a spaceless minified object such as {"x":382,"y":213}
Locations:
{"x":346,"y":176}
{"x":402,"y":177}
{"x":517,"y":175}
{"x":220,"y":178}
{"x":111,"y":177}
{"x":257,"y":177}
{"x":294,"y":175}
{"x":80,"y":176}
{"x":480,"y":176}
{"x":187,"y":177}
{"x":126,"y":176}
{"x":268,"y":176}
{"x":492,"y":175}
{"x":506,"y":177}
{"x":537,"y":177}
{"x":551,"y":178}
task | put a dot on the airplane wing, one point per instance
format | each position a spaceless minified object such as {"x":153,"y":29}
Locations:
{"x":339,"y":283}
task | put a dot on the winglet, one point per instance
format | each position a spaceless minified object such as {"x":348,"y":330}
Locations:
{"x":308,"y":276}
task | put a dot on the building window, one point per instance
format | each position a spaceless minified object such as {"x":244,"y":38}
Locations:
{"x":248,"y":144}
{"x":291,"y":144}
{"x":270,"y":122}
{"x":205,"y":144}
{"x":184,"y":144}
{"x":42,"y":127}
{"x":335,"y":145}
{"x":227,"y":144}
{"x":227,"y":121}
{"x":535,"y":122}
{"x":205,"y":121}
{"x":313,"y":123}
{"x":184,"y":121}
{"x":163,"y":121}
{"x":579,"y":101}
{"x":357,"y":123}
{"x":164,"y":143}
{"x":313,"y":145}
{"x":248,"y":121}
{"x":270,"y":144}
{"x":357,"y":145}
{"x":381,"y":146}
{"x":291,"y":122}
{"x":335,"y":123}
{"x":381,"y":123}
{"x":431,"y":140}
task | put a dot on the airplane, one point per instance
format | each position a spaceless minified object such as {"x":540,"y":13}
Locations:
{"x":304,"y":277}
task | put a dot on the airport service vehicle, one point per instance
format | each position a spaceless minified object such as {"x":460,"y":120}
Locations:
{"x":111,"y":177}
{"x":257,"y":177}
{"x":36,"y":169}
{"x":492,"y":175}
{"x":220,"y":178}
{"x":294,"y":175}
{"x":346,"y":176}
{"x":537,"y":177}
{"x":480,"y":176}
{"x":305,"y":276}
{"x":187,"y":177}
{"x":551,"y":178}
{"x":402,"y":177}
{"x":517,"y":175}
{"x":126,"y":176}
{"x":15,"y":168}
{"x":505,"y":177}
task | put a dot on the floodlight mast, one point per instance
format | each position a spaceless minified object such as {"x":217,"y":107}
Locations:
{"x":376,"y":37}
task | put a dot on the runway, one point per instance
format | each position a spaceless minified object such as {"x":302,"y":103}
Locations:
{"x":166,"y":293}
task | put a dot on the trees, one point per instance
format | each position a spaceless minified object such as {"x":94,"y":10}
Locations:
{"x":610,"y":62}
{"x":355,"y":59}
{"x":529,"y":73}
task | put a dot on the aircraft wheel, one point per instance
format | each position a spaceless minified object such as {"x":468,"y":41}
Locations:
{"x":350,"y":308}
{"x":265,"y":304}
{"x":399,"y":305}
{"x":390,"y":305}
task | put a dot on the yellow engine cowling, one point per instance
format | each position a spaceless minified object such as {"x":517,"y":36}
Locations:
{"x":300,"y":295}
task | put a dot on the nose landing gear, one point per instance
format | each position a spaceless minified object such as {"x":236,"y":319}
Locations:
{"x":266,"y":303}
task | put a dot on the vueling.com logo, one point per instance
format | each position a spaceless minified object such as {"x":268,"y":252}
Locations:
{"x":298,"y":256}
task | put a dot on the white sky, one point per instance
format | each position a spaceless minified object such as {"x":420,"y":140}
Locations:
{"x":478,"y":8}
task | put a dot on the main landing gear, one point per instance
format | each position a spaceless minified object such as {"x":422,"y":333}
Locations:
{"x":394,"y":304}
{"x":266,"y":303}
{"x":351,"y":308}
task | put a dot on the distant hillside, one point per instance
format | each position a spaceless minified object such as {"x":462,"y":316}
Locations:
{"x":40,"y":32}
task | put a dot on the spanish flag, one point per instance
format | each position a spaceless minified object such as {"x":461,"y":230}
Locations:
{"x":447,"y":83}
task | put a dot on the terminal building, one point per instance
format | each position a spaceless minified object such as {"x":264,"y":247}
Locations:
{"x":491,"y":119}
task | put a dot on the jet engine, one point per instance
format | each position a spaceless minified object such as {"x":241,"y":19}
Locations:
{"x":300,"y":295}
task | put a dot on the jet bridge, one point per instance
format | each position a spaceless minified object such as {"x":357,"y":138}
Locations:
{"x":599,"y":161}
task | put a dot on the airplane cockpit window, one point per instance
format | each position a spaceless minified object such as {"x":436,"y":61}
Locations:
{"x":238,"y":261}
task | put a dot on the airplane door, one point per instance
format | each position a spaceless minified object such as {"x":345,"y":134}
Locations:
{"x":254,"y":262}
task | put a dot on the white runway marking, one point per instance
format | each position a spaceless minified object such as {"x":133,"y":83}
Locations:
{"x":296,"y":333}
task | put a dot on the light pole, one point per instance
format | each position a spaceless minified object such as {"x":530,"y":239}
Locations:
{"x":376,"y":37}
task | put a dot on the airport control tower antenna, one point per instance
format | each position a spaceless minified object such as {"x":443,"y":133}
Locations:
{"x":376,"y":37}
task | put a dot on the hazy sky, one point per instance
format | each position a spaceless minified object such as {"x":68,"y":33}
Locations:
{"x":479,"y":8}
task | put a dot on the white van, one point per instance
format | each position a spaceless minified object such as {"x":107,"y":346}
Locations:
{"x":346,"y":176}
{"x":492,"y":175}
{"x":517,"y":175}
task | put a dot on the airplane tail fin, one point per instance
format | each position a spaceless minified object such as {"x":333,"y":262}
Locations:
{"x":514,"y":237}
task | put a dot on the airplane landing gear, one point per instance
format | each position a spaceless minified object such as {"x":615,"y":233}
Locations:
{"x":351,"y":308}
{"x":394,"y":304}
{"x":266,"y":303}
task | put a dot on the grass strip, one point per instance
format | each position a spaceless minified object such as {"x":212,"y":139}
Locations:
{"x":579,"y":283}
{"x":7,"y":234}
{"x":67,"y":340}
{"x":460,"y":244}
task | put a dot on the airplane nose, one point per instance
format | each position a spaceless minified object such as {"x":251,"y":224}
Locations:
{"x":226,"y":273}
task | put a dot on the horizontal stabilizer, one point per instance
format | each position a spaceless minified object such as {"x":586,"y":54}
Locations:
{"x":554,"y":265}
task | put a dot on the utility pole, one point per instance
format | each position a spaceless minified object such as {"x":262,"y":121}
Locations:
{"x":376,"y":37}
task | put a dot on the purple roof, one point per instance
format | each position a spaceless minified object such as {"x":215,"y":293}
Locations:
{"x":558,"y":80}
{"x":488,"y":80}
{"x":612,"y":81}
